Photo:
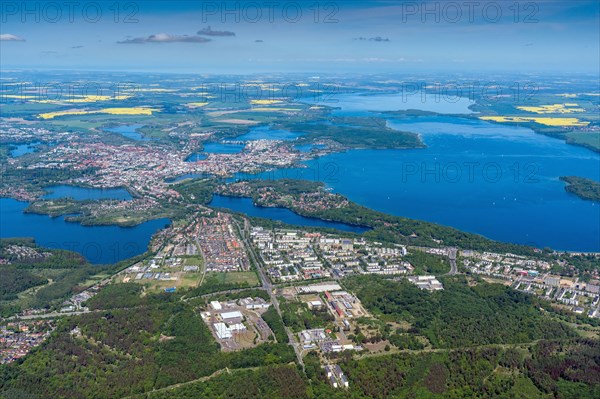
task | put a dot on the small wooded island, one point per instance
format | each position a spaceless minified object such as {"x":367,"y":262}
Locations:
{"x":584,"y":188}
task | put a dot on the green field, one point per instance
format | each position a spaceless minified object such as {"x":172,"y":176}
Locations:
{"x":187,"y":280}
{"x":235,"y":277}
{"x":193,"y":261}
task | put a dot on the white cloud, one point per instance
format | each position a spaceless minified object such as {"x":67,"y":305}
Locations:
{"x":165,"y":38}
{"x":7,"y":37}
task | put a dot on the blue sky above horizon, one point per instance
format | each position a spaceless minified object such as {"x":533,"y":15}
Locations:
{"x":344,"y":36}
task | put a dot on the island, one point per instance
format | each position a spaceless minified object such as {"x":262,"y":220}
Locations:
{"x":582,"y":187}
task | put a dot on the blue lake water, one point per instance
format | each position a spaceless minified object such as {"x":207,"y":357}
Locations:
{"x":215,"y":148}
{"x":245,"y":205}
{"x":220,"y":148}
{"x":184,"y":177}
{"x":86,"y":193}
{"x":129,"y":131}
{"x":496,"y":180}
{"x":99,"y":244}
{"x":197,"y":156}
{"x":359,"y":104}
{"x":22,"y":149}
{"x":266,"y":133}
{"x":309,"y":147}
{"x":255,"y":133}
{"x":500,"y":181}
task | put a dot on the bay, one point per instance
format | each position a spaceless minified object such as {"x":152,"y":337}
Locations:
{"x":98,"y":244}
{"x":495,"y":180}
{"x":86,"y":193}
{"x":246,"y":206}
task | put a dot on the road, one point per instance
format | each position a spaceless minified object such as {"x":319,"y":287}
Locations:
{"x":226,"y":370}
{"x":268,"y":286}
{"x":203,"y":261}
{"x":46,"y":315}
{"x":452,"y":256}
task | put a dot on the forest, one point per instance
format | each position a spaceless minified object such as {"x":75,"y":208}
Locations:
{"x":582,"y":187}
{"x":275,"y":382}
{"x":544,"y":370}
{"x":14,"y":281}
{"x":426,"y":263}
{"x":155,"y":345}
{"x":58,"y":259}
{"x":360,"y":134}
{"x":271,"y":317}
{"x":463,"y":314}
{"x":130,"y":346}
{"x":298,"y":316}
{"x":41,"y":281}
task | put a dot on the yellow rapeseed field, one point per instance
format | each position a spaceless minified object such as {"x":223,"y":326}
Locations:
{"x":276,"y":109}
{"x":196,"y":105}
{"x":154,"y":90}
{"x":84,"y":99}
{"x":567,"y":108}
{"x":566,"y":122}
{"x":111,"y":111}
{"x":265,"y":102}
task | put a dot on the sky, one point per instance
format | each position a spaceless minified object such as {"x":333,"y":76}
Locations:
{"x":302,"y":36}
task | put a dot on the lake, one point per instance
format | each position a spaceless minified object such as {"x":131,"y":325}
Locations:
{"x":357,"y":104}
{"x":309,"y":147}
{"x":185,"y":177}
{"x":215,"y":148}
{"x":267,"y":133}
{"x":22,"y":149}
{"x":255,"y":133}
{"x":500,"y":181}
{"x":496,"y":180}
{"x":196,"y":156}
{"x":99,"y":244}
{"x":246,"y":206}
{"x":221,"y":148}
{"x":86,"y":193}
{"x":129,"y":131}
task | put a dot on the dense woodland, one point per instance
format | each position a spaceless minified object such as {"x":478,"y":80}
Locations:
{"x":129,"y":345}
{"x":268,"y":382}
{"x":587,"y":189}
{"x":361,"y":133}
{"x":425,"y":263}
{"x":272,"y":318}
{"x":40,"y":282}
{"x":460,"y":315}
{"x":14,"y":281}
{"x":568,"y":370}
{"x":196,"y":190}
{"x":298,"y":316}
{"x":154,"y":345}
